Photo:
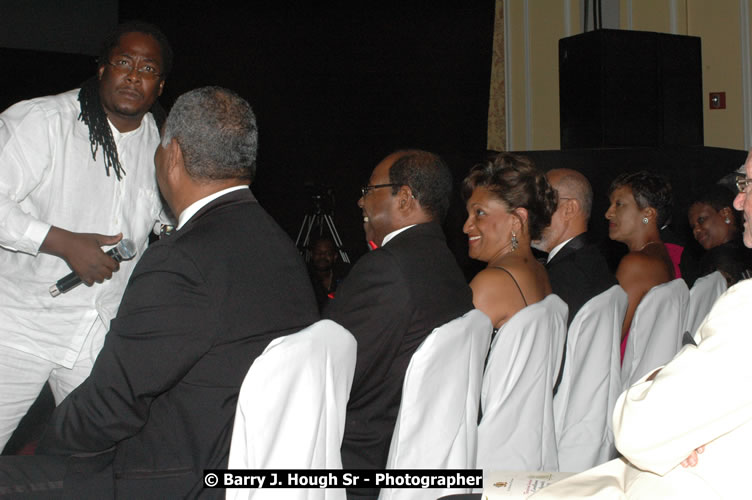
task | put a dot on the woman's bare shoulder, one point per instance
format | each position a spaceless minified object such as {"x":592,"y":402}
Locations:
{"x":495,"y":293}
{"x":494,"y":285}
{"x":492,"y":278}
{"x":649,"y":270}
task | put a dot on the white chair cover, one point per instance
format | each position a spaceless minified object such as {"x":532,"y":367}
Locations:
{"x":591,"y":383}
{"x":516,"y":431}
{"x":656,"y":332}
{"x":438,"y":417}
{"x":702,"y":296}
{"x":291,"y":409}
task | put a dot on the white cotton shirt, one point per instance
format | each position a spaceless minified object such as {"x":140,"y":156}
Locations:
{"x":48,"y":177}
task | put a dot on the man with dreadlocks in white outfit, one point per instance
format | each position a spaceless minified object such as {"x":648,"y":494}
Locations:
{"x":76,"y":174}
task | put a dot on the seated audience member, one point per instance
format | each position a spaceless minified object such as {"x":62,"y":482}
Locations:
{"x":325,"y":270}
{"x":509,"y":202}
{"x":395,"y":296}
{"x":201,"y":305}
{"x":715,"y":226}
{"x":639,"y":205}
{"x":666,"y":418}
{"x":576,"y":268}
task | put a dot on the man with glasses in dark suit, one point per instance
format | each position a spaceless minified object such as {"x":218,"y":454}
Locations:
{"x":395,"y":296}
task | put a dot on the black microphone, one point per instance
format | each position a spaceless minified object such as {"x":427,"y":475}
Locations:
{"x":125,"y":250}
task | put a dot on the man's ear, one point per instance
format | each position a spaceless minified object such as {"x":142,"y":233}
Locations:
{"x":571,"y":207}
{"x":175,"y":161}
{"x":405,"y":198}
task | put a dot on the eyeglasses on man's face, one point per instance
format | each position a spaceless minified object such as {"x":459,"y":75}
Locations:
{"x":742,"y":183}
{"x":368,"y":188}
{"x":126,"y":66}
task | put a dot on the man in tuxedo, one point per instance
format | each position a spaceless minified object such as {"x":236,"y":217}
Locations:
{"x":395,"y":295}
{"x":577,"y":270}
{"x":201,"y":305}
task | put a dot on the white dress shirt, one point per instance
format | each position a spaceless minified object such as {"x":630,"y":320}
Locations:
{"x":197,"y":205}
{"x":395,"y":233}
{"x":556,"y":249}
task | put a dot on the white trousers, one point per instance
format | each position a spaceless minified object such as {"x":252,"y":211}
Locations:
{"x":23,"y":375}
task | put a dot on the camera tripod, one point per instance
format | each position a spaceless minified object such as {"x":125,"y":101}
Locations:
{"x":318,"y":218}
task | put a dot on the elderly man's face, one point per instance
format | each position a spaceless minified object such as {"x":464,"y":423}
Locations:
{"x":743,"y":202}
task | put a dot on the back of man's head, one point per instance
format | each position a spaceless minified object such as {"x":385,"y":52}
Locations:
{"x":429,"y":180}
{"x":572,"y":212}
{"x":572,"y":184}
{"x":217,"y":134}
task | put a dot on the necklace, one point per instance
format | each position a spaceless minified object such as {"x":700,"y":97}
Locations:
{"x":646,"y":244}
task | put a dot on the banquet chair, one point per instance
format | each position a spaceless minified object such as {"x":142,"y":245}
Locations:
{"x":516,"y":430}
{"x":656,"y":332}
{"x":436,"y":426}
{"x":291,"y":409}
{"x":702,"y":296}
{"x":591,"y":383}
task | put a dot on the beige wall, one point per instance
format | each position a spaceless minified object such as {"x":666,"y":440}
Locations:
{"x":531,"y":91}
{"x":532,"y":32}
{"x":718,"y":24}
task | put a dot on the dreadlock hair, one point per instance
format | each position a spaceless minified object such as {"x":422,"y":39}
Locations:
{"x":92,"y":111}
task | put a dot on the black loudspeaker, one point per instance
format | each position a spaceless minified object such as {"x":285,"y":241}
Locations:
{"x":630,"y":89}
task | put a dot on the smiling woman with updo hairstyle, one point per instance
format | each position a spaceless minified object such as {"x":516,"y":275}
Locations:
{"x":640,"y":204}
{"x":716,"y":227}
{"x":509,"y":202}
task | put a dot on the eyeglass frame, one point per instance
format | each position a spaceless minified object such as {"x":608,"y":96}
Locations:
{"x":742,"y":183}
{"x":370,"y":187}
{"x":128,"y":68}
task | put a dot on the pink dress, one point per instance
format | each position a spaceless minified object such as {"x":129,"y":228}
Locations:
{"x":675,"y":253}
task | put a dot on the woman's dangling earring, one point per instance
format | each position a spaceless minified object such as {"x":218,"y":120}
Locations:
{"x":645,"y":220}
{"x":515,"y":243}
{"x":727,"y":221}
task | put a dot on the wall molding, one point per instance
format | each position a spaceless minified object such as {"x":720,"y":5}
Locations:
{"x":672,"y":16}
{"x":629,"y":15}
{"x":508,"y":96}
{"x":744,"y":26}
{"x":528,"y":84}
